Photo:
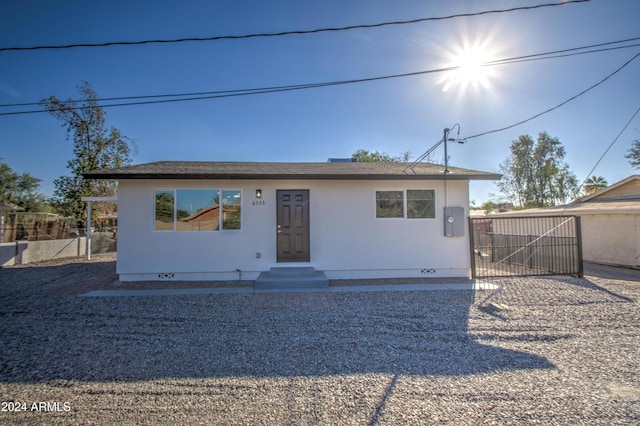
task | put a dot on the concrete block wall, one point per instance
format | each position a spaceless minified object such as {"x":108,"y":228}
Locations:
{"x":23,"y":252}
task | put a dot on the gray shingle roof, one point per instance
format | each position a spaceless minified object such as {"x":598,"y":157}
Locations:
{"x":5,"y":206}
{"x":263,"y":170}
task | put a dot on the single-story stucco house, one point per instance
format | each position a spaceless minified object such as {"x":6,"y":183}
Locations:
{"x":230,"y":220}
{"x":610,"y":221}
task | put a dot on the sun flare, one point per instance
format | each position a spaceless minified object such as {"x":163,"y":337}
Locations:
{"x":469,"y":69}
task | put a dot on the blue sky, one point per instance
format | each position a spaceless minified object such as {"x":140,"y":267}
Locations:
{"x":393,"y":116}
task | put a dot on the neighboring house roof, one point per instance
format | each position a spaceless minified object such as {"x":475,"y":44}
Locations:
{"x":626,"y":189}
{"x":477,"y":213}
{"x":611,"y":207}
{"x":209,"y":213}
{"x":5,"y":206}
{"x":263,"y":170}
{"x":622,"y":197}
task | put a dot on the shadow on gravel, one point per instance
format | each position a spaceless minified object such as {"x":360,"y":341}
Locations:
{"x":611,"y":272}
{"x":590,"y":285}
{"x":146,"y":338}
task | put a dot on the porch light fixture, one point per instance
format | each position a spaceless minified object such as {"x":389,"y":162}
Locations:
{"x":258,"y":193}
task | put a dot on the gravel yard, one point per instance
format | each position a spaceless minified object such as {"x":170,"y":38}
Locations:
{"x":565,"y":352}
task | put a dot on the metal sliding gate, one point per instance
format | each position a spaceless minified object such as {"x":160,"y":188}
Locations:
{"x":524,"y":246}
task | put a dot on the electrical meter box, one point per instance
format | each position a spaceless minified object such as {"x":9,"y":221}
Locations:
{"x":454,"y":222}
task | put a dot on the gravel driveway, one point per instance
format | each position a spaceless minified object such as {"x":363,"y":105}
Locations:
{"x":566,"y":352}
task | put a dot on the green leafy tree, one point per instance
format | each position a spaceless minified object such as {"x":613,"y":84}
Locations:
{"x":364,"y":156}
{"x":488,"y":207}
{"x":535,"y":174}
{"x":8,"y":180}
{"x":594,"y":183}
{"x":164,"y":207}
{"x":21,"y":190}
{"x":634,"y":154}
{"x":95,"y":147}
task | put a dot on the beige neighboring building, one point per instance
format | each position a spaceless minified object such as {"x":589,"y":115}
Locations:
{"x":610,"y":222}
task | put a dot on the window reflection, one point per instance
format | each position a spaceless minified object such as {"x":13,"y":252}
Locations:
{"x":198,"y":210}
{"x":164,"y":211}
{"x":231,"y":202}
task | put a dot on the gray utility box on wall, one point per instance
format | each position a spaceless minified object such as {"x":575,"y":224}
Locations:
{"x":454,"y":222}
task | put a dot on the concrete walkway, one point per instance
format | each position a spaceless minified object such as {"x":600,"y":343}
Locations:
{"x":477,"y":285}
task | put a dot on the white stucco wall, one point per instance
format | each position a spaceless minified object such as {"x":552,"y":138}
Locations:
{"x":611,"y":238}
{"x":346,"y":239}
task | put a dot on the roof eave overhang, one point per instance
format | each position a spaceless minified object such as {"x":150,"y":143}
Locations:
{"x":217,"y":176}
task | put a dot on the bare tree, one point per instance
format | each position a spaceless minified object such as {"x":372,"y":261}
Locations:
{"x":95,"y":146}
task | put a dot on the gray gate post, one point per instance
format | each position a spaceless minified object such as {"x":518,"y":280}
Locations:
{"x":579,"y":242}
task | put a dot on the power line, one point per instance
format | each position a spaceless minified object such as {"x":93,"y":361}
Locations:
{"x":183,"y":97}
{"x":245,"y":92}
{"x":565,"y":52}
{"x":420,"y":158}
{"x":606,"y":151}
{"x":171,"y":95}
{"x":559,"y":105}
{"x":526,"y":58}
{"x":286,"y":33}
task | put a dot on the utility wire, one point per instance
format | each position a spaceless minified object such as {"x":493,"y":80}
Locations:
{"x":605,"y":152}
{"x":226,"y":94}
{"x":559,"y":105}
{"x":173,"y":95}
{"x":567,"y":55}
{"x":549,"y":110}
{"x":525,"y":58}
{"x":286,"y":33}
{"x":275,"y":89}
{"x":557,"y":53}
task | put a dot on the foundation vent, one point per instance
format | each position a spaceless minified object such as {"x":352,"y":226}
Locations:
{"x":166,"y":276}
{"x":428,"y":271}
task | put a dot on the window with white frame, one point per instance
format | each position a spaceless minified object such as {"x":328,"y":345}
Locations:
{"x":197,"y":210}
{"x":420,"y":204}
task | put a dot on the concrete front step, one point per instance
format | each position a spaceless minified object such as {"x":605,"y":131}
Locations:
{"x":291,"y":277}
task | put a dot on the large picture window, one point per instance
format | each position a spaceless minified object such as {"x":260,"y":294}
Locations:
{"x":420,"y":204}
{"x":197,"y":210}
